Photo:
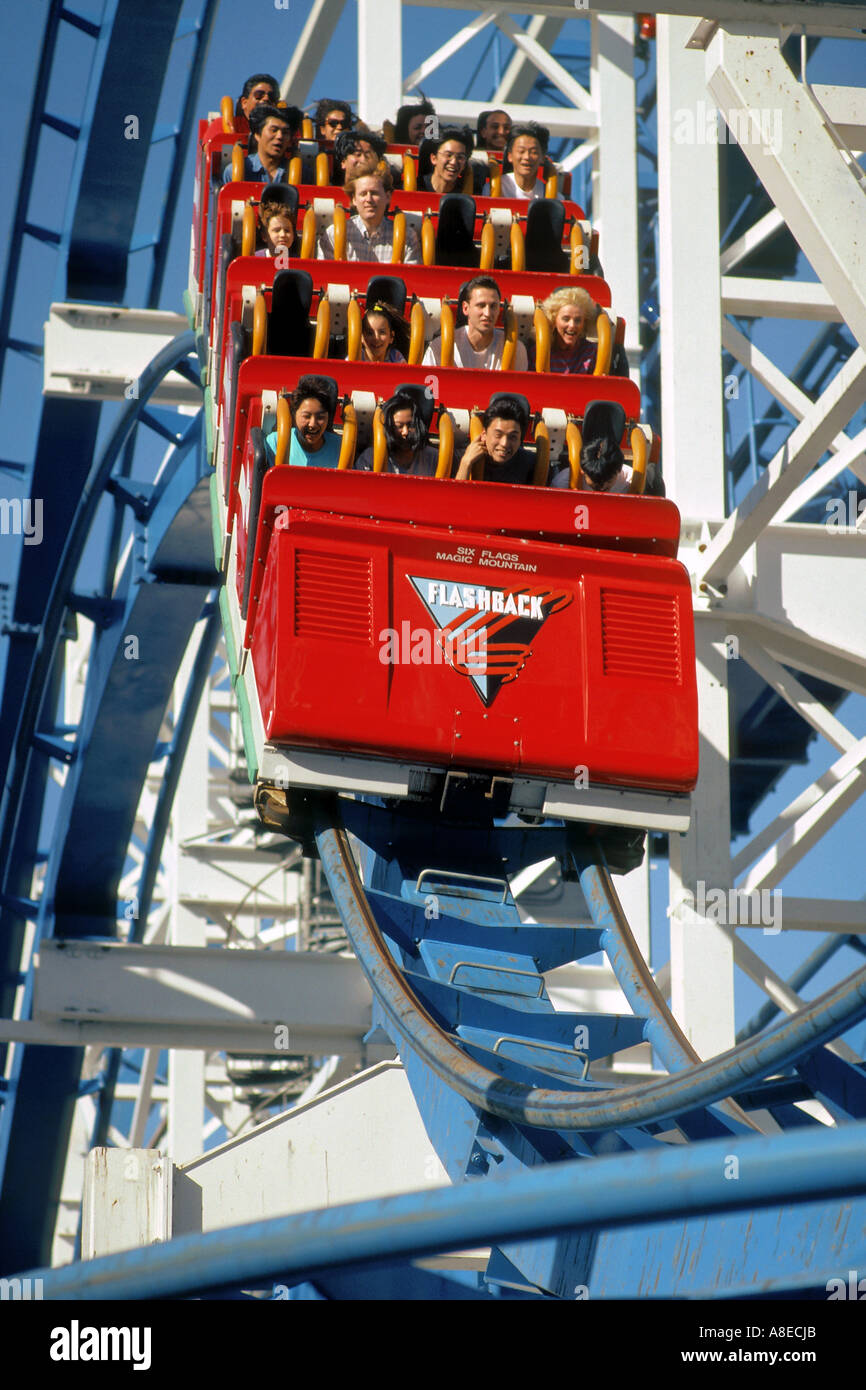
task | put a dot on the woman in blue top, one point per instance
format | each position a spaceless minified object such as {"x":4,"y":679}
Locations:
{"x":570,"y":312}
{"x":313,"y":441}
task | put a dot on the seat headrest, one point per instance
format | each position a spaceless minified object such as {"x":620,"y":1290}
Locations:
{"x":329,"y":386}
{"x":519,"y":400}
{"x":604,"y":420}
{"x":387,"y":289}
{"x":422,"y":396}
{"x":545,"y":226}
{"x":282,"y":193}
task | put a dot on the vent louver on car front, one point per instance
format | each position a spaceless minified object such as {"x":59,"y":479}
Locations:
{"x":640,"y":635}
{"x":333,"y":596}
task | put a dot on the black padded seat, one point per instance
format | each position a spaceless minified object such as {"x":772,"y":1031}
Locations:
{"x":545,"y":227}
{"x":455,"y":235}
{"x":387,"y":289}
{"x":423,"y":398}
{"x":619,"y":365}
{"x":284,"y":193}
{"x":513,"y":396}
{"x":289,"y":321}
{"x":603,"y":420}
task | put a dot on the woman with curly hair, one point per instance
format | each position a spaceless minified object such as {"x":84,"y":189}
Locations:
{"x":570,"y":312}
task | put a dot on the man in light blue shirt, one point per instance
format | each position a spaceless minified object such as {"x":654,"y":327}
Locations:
{"x":274,"y":132}
{"x":313,"y":441}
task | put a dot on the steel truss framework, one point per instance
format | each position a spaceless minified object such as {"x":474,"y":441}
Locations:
{"x":786,"y":594}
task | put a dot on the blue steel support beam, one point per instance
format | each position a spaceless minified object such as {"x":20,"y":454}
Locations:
{"x":32,"y":1130}
{"x":585,"y":1195}
{"x":124,"y":707}
{"x":119,"y":135}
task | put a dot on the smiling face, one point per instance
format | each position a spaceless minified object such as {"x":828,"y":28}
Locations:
{"x":481,"y":311}
{"x":378,"y":336}
{"x":501,"y":440}
{"x":526,"y":155}
{"x":416,"y":128}
{"x":371,"y":200}
{"x":262,"y":92}
{"x":497,"y":129}
{"x":311,"y":421}
{"x":362,"y":160}
{"x":275,"y":140}
{"x":569,"y":327}
{"x":449,"y":163}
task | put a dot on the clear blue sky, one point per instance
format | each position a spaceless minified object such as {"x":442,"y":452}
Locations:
{"x":260,"y":37}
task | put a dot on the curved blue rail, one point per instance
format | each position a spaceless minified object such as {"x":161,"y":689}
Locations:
{"x":705,"y":1084}
{"x":572,"y":1197}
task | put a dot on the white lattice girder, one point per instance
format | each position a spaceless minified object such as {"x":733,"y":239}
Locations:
{"x":310,"y":50}
{"x":519,"y":76}
{"x":820,"y":16}
{"x":796,"y":695}
{"x":780,"y":299}
{"x":447,"y":50}
{"x":803,"y":170}
{"x":798,"y":455}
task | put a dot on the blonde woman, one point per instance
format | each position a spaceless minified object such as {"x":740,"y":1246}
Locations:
{"x":570,"y":312}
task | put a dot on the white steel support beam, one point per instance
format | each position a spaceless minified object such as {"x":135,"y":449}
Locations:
{"x":848,"y":452}
{"x":560,"y":120}
{"x":380,"y":59}
{"x":552,"y":70}
{"x":823,"y":915}
{"x":779,"y":991}
{"x":802,"y":170}
{"x":751,"y":240}
{"x":447,"y":50}
{"x":793,"y":833}
{"x":189,"y":820}
{"x":520,"y":74}
{"x":822,"y":16}
{"x":702,"y":966}
{"x":702,"y":960}
{"x":781,"y":299}
{"x":691,"y":372}
{"x":851,"y":454}
{"x":614,"y":199}
{"x":797,"y":696}
{"x":312,"y":46}
{"x":805,"y":653}
{"x":811,"y":578}
{"x":800,"y":452}
{"x":359,"y":1139}
{"x":303,"y":992}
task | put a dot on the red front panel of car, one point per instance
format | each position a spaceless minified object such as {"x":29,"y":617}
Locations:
{"x":456,"y":649}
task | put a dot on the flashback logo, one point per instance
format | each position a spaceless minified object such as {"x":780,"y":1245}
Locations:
{"x":77,"y":1343}
{"x":500,"y":622}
